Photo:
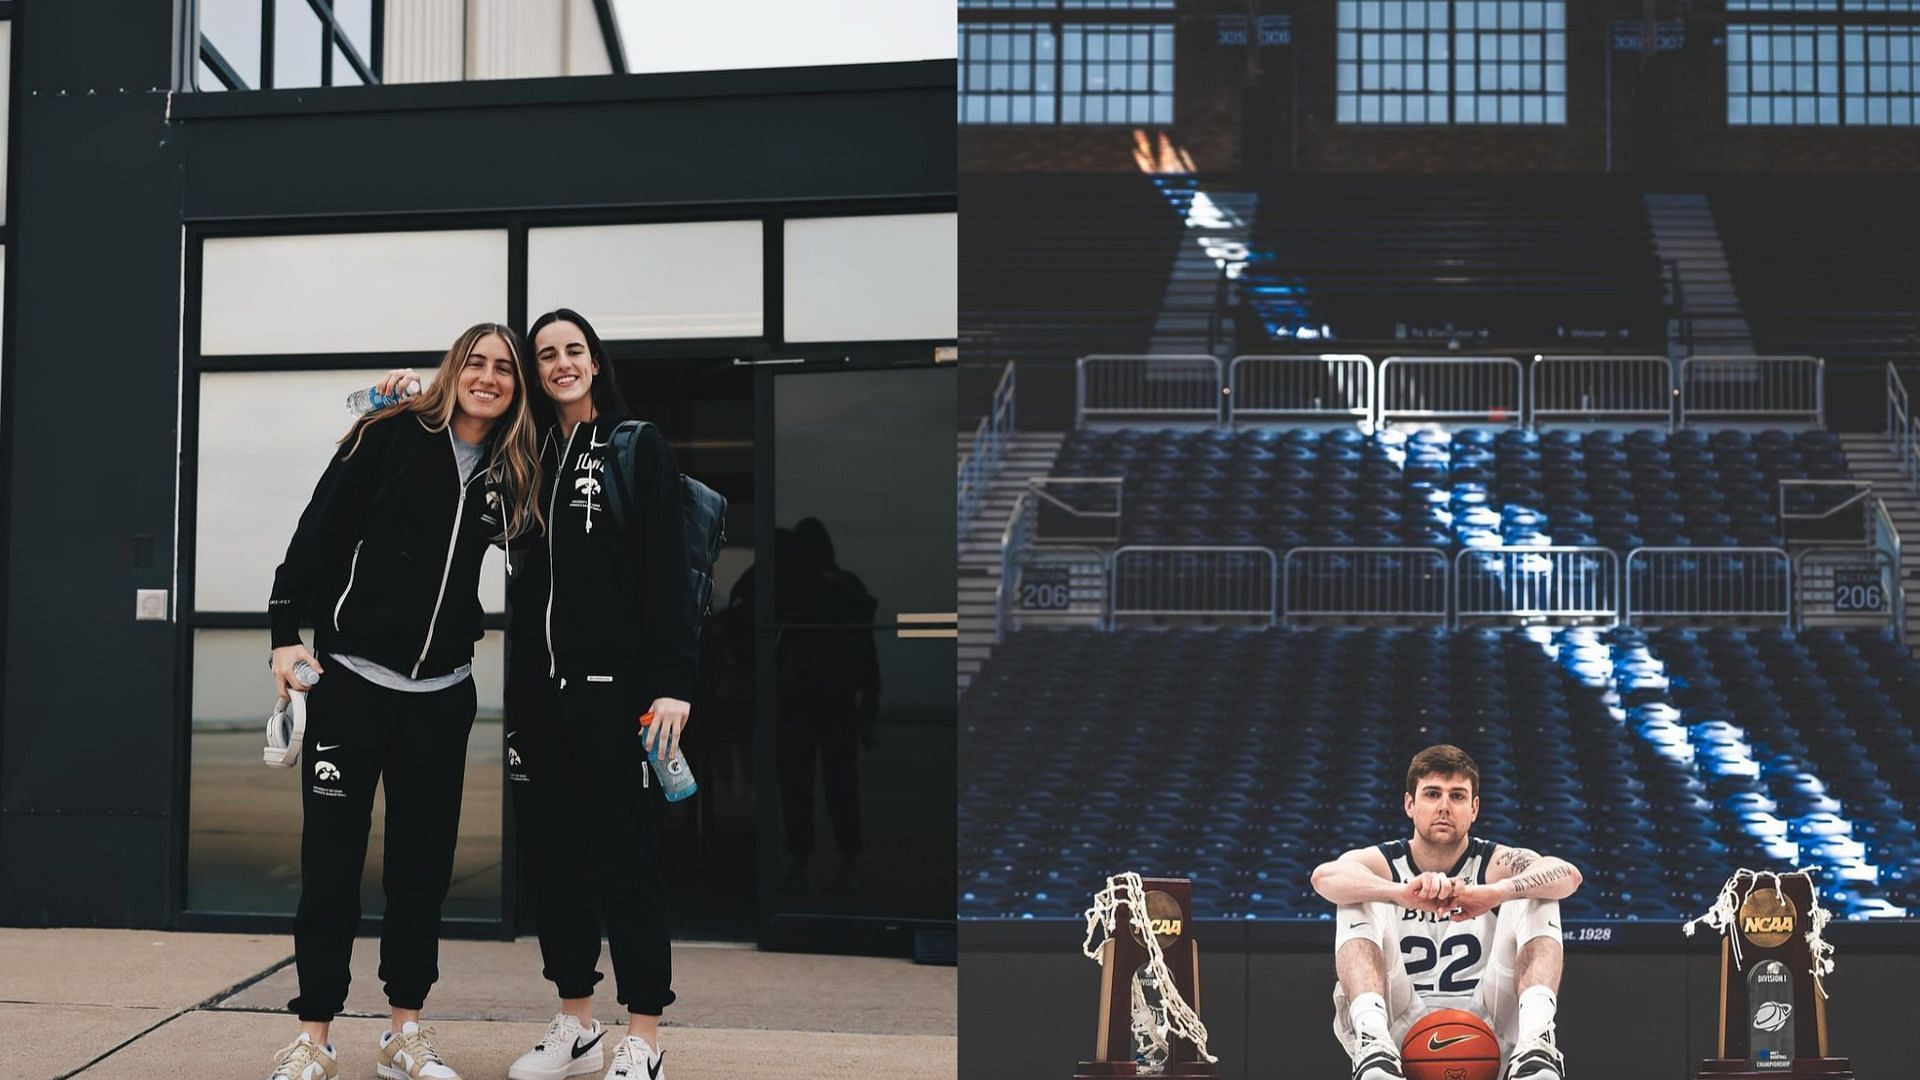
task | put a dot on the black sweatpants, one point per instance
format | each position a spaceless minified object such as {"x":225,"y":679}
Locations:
{"x":356,"y":733}
{"x":576,"y":766}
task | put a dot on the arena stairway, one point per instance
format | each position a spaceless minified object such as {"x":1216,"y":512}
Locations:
{"x":1684,"y":233}
{"x":1028,"y":455}
{"x":1870,"y":458}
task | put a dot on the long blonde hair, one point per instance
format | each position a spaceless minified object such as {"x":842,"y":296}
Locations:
{"x":515,"y":462}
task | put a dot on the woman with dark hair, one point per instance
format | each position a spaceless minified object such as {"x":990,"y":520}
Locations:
{"x":386,"y":564}
{"x":602,"y":633}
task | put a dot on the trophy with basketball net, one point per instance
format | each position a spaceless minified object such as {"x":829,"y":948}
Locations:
{"x":1149,"y":981}
{"x":1773,"y":1005}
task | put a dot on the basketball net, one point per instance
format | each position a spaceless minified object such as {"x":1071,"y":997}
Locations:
{"x":1158,"y":1008}
{"x":1725,"y":910}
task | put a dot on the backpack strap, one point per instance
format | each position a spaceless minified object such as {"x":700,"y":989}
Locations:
{"x":624,"y":435}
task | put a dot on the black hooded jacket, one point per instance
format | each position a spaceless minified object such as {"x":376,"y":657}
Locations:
{"x":597,"y":595}
{"x":385,"y":563}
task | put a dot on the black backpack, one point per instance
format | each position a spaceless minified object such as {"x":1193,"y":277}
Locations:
{"x":704,"y":509}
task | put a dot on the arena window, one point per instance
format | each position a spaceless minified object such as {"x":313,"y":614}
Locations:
{"x":1832,"y":69}
{"x":1088,"y":62}
{"x":1451,"y":62}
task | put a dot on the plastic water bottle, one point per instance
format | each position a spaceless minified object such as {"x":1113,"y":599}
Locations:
{"x":676,"y":778}
{"x":304,"y":672}
{"x":365,"y":401}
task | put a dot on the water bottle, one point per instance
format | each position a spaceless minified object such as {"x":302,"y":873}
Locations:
{"x":304,"y":672}
{"x":361,"y":402}
{"x":676,"y":779}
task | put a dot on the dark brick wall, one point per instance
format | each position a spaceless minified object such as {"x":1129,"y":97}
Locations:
{"x":1667,"y":117}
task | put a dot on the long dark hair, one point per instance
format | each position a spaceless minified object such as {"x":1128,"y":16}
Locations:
{"x":605,"y":391}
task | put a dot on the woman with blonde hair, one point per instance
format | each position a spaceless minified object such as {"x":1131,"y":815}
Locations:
{"x":385,"y":564}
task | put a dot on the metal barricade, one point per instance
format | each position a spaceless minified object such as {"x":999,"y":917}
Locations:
{"x":1537,"y":584}
{"x":1331,"y":386}
{"x":1460,"y":389}
{"x":1076,"y":509}
{"x":1848,"y":587}
{"x":1196,"y":582}
{"x":1147,"y":389}
{"x":1595,"y":388}
{"x":1344,"y":583}
{"x":1718,"y":584}
{"x":1885,"y":539}
{"x":1753,"y":388}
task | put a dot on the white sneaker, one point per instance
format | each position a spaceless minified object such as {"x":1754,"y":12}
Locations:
{"x":635,"y":1059}
{"x":303,"y":1059}
{"x":1537,"y":1059}
{"x":411,"y":1055}
{"x":567,"y":1049}
{"x":1376,"y":1059}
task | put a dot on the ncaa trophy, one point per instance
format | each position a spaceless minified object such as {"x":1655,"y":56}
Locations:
{"x":1149,"y":981}
{"x":1773,"y":1005}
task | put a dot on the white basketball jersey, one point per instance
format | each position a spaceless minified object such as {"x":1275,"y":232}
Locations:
{"x":1444,"y":959}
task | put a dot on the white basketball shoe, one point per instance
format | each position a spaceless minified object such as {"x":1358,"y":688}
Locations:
{"x":1375,"y":1058}
{"x":567,"y":1049}
{"x":1537,"y":1059}
{"x":636,"y":1059}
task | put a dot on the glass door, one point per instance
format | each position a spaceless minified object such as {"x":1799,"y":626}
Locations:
{"x":856,"y":653}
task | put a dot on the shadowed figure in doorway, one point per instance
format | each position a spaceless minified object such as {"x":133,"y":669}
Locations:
{"x":828,"y":695}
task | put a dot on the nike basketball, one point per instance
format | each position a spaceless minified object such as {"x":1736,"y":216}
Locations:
{"x":1450,"y":1044}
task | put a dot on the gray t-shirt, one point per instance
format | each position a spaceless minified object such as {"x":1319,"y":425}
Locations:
{"x":467,"y":456}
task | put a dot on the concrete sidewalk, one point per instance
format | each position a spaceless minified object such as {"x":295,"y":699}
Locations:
{"x":121,"y":1003}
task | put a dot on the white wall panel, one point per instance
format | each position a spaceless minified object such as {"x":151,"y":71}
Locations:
{"x":355,"y":292}
{"x":586,"y":46}
{"x":426,"y":41}
{"x":265,"y":438}
{"x":685,"y":280}
{"x":515,"y":39}
{"x":881,"y":278}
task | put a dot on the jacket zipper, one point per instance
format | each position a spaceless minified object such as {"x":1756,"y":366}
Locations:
{"x":453,"y":541}
{"x":352,"y":568}
{"x":559,"y":477}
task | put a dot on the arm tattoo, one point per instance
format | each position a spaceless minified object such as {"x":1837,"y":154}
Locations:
{"x":1516,"y":860}
{"x":1544,"y":877}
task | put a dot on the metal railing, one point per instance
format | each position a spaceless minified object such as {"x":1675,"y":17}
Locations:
{"x":1903,"y":430}
{"x":1725,"y":388}
{"x":1076,"y":509}
{"x":1467,"y":389}
{"x":1018,"y":598}
{"x":1365,"y":582}
{"x":1885,"y":539}
{"x":1331,"y":386}
{"x":1147,"y":388}
{"x":1825,"y":510}
{"x":1537,"y":584}
{"x":1740,"y":583}
{"x":982,"y":462}
{"x":1195,"y":582}
{"x":1601,"y":388}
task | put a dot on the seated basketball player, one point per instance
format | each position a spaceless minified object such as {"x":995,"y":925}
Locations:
{"x":1446,"y":921}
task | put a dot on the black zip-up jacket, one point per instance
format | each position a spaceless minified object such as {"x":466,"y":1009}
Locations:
{"x":609,"y":596}
{"x":376,"y":564}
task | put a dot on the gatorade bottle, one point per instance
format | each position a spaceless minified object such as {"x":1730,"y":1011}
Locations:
{"x":676,"y":779}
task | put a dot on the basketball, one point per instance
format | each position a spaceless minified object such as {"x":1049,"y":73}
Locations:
{"x":1450,"y":1044}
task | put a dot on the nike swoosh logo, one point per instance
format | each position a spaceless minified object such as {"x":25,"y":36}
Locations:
{"x":1436,"y":1043}
{"x":324,"y":749}
{"x":591,"y":445}
{"x":1355,"y":925}
{"x":581,"y":1048}
{"x":511,"y":734}
{"x":1553,"y":924}
{"x":653,"y":1069}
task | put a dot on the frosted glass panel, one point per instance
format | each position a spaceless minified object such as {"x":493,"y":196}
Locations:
{"x":882,"y":278}
{"x":355,"y":292}
{"x":252,"y":488}
{"x":693,"y":280}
